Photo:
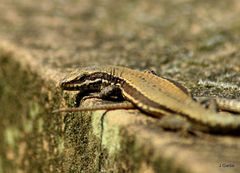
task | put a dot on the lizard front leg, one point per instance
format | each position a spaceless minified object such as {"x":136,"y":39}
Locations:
{"x":110,"y":92}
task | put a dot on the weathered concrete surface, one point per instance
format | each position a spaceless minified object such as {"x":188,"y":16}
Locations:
{"x":194,"y":42}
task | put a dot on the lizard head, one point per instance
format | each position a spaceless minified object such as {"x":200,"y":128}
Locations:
{"x":81,"y":78}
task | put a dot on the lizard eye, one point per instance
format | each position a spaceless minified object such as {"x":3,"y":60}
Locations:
{"x":82,"y":78}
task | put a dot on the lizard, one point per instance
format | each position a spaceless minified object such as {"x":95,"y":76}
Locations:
{"x":151,"y":94}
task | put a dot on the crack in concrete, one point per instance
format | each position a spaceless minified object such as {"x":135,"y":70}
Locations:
{"x":101,"y":139}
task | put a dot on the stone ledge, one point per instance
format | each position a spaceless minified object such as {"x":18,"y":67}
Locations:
{"x":35,"y":140}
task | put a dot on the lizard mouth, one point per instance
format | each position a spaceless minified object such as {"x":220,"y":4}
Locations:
{"x":70,"y":86}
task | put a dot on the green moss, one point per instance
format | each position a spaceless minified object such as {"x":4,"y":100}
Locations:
{"x":28,"y":126}
{"x":34,"y":109}
{"x":111,"y":138}
{"x":60,"y":144}
{"x":97,"y":123}
{"x":1,"y":166}
{"x":40,"y":125}
{"x":107,"y":133}
{"x":11,"y":136}
{"x":31,"y":123}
